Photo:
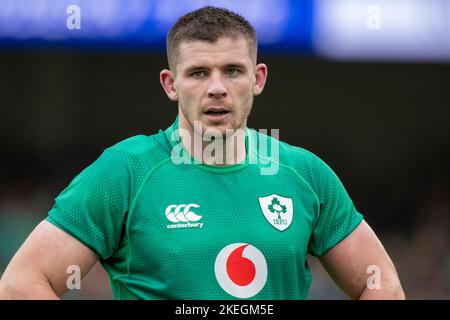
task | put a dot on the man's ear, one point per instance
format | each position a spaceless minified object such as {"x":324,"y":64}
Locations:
{"x":260,"y":78}
{"x":167,"y":80}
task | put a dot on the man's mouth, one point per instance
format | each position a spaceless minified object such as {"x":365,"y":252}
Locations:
{"x":216,"y":114}
{"x":216,"y":111}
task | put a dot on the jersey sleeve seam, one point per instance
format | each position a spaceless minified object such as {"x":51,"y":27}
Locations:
{"x":357,"y":222}
{"x":61,"y":225}
{"x":133,"y":204}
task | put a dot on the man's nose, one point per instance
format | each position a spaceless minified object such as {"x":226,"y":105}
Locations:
{"x":216,"y":87}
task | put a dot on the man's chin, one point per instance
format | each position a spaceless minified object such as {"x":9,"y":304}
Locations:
{"x":218,"y":130}
{"x":215,"y":129}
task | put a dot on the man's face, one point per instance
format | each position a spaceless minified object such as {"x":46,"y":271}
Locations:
{"x":215,"y":83}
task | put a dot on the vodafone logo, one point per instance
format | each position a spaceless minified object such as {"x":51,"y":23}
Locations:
{"x":241,"y":270}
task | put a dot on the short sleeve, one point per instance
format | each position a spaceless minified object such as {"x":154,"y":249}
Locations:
{"x":337,"y":216}
{"x":94,"y":205}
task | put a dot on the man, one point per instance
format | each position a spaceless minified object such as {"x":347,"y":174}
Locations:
{"x":173,"y":219}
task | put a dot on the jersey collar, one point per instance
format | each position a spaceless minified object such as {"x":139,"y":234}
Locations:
{"x":172,"y":135}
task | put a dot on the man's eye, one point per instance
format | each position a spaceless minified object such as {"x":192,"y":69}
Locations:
{"x":232,"y":72}
{"x":198,"y":74}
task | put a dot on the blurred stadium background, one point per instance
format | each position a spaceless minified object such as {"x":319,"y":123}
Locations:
{"x":363,"y":84}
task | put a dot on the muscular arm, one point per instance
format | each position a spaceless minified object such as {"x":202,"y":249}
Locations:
{"x":348,"y":263}
{"x":38,"y":269}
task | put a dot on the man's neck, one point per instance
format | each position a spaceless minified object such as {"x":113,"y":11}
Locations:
{"x":211,"y":148}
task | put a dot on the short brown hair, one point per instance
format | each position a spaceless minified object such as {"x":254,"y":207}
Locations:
{"x":209,"y":24}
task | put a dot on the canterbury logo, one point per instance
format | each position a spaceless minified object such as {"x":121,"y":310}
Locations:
{"x":182,"y":213}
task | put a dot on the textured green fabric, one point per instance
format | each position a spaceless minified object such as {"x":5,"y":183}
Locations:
{"x":159,"y":227}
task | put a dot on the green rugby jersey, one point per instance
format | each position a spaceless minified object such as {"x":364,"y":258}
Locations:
{"x":168,"y":230}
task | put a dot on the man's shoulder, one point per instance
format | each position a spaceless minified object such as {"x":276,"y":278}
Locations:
{"x":146,"y":148}
{"x":288,"y":154}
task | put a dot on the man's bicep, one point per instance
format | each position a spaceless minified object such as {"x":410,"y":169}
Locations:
{"x":46,"y":256}
{"x":356,"y":258}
